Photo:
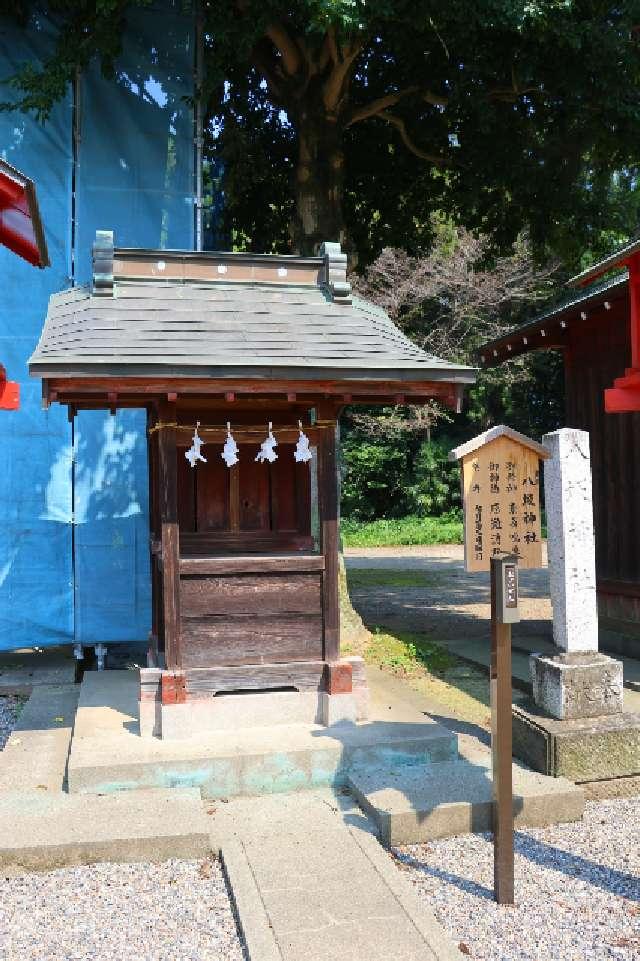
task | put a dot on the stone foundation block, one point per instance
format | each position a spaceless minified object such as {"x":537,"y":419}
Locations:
{"x":338,"y":677}
{"x":334,"y":708}
{"x":581,"y":749}
{"x":577,"y":685}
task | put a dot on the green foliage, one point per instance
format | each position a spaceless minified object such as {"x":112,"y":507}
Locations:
{"x":393,"y":477}
{"x":406,"y":653}
{"x":504,"y":114}
{"x":446,"y":529}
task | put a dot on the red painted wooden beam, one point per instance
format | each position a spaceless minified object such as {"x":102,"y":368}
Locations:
{"x":20,"y":224}
{"x":624,"y":396}
{"x":9,"y":392}
{"x":622,"y":400}
{"x":633,"y":266}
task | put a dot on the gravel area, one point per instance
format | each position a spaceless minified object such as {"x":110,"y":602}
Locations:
{"x":10,"y":708}
{"x":174,"y":911}
{"x":577,"y":889}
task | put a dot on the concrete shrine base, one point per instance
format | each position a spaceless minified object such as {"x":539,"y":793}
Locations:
{"x":581,"y":749}
{"x":172,"y":707}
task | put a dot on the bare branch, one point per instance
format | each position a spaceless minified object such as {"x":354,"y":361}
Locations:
{"x":399,"y":123}
{"x":449,"y":301}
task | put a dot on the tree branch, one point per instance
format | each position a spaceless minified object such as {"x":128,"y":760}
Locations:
{"x":266,"y":64}
{"x":399,"y":123}
{"x":334,"y":85}
{"x":377,"y":106}
{"x":287,"y":46}
{"x":435,"y":99}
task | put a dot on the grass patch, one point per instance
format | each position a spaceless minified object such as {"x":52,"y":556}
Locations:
{"x":381,"y":577}
{"x":403,"y":531}
{"x":408,"y":654}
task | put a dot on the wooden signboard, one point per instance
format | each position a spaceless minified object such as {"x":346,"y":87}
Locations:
{"x":501,"y":497}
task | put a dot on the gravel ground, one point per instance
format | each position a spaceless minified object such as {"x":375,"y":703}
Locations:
{"x":174,"y":911}
{"x":10,"y":708}
{"x":577,"y":889}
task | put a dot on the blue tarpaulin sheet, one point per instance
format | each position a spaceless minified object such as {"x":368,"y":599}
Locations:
{"x":74,"y":530}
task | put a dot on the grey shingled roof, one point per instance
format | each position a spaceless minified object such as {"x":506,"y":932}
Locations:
{"x":155,"y":328}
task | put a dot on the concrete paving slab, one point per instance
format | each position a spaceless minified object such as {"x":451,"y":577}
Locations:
{"x":40,"y":831}
{"x":280,"y":855}
{"x":35,"y":755}
{"x":25,"y":668}
{"x":423,"y":802}
{"x":108,"y":755}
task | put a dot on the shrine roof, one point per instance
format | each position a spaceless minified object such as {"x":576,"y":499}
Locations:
{"x":495,"y":433}
{"x":617,"y":259}
{"x":178,"y":314}
{"x":549,"y":328}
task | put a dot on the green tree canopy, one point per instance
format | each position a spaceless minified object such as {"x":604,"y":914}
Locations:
{"x":503,"y":114}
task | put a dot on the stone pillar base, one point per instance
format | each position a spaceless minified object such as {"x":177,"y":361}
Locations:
{"x":581,"y":749}
{"x":577,"y":685}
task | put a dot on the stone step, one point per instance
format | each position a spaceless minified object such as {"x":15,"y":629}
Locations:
{"x":253,"y":761}
{"x":40,"y":830}
{"x":419,"y":802}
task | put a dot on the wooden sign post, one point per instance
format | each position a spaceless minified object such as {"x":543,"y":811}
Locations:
{"x":501,"y":498}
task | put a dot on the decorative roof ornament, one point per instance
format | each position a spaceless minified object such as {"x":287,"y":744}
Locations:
{"x":302,"y":452}
{"x":267,"y":448}
{"x":230,"y":450}
{"x":194,"y":453}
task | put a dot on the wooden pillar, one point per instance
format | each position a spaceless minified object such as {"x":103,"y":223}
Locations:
{"x":169,"y":533}
{"x":328,"y":503}
{"x":502,"y":749}
{"x":154,"y":532}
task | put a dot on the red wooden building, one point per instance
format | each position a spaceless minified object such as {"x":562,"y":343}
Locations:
{"x":22,"y":232}
{"x":244,"y":555}
{"x":598,"y":332}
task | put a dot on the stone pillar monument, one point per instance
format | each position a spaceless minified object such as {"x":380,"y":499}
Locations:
{"x":570,"y":540}
{"x":578,"y":681}
{"x":576,"y":726}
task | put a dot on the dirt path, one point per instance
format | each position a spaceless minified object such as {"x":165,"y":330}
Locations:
{"x":426,"y":589}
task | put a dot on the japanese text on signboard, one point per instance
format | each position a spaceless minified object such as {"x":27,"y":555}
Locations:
{"x":502,"y":504}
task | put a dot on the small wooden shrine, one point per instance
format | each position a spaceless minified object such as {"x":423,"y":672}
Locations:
{"x":243,"y":363}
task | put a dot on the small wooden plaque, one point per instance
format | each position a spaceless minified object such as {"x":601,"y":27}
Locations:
{"x":501,"y":497}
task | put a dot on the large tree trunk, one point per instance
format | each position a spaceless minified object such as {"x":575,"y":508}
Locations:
{"x":319,"y":180}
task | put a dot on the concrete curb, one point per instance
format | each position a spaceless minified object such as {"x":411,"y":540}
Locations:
{"x":40,"y":831}
{"x":432,"y":932}
{"x":251,"y":915}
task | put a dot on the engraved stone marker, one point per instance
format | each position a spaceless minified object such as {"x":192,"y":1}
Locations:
{"x":571,"y":544}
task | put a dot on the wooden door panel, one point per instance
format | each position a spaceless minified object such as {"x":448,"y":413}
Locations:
{"x":250,"y":639}
{"x":253,"y":491}
{"x":250,"y":594}
{"x":212,"y":488}
{"x":186,"y":484}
